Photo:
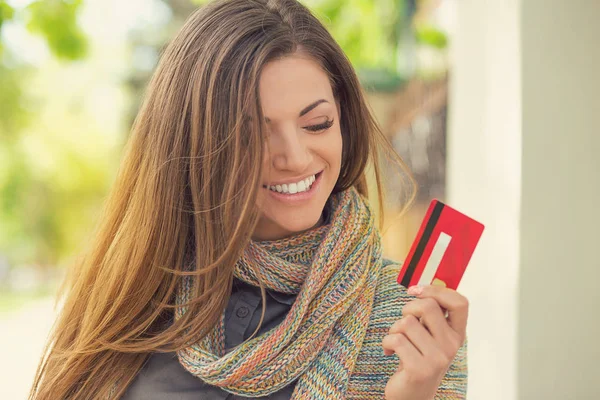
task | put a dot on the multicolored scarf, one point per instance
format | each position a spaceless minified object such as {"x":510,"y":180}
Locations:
{"x":330,"y":341}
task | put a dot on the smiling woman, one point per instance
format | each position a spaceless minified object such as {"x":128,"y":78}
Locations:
{"x":304,"y":147}
{"x":238,"y":255}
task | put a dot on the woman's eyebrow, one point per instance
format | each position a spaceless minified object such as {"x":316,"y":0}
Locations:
{"x":310,"y":107}
{"x":306,"y":109}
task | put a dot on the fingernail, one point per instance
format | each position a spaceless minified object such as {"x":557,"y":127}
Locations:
{"x":415,"y":290}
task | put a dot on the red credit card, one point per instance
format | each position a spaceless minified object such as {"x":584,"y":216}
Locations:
{"x":442,"y":249}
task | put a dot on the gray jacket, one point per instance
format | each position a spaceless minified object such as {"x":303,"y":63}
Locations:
{"x":162,"y":377}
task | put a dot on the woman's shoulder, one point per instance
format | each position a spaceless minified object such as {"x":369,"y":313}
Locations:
{"x":390,"y":296}
{"x":387,"y":284}
{"x":389,"y":270}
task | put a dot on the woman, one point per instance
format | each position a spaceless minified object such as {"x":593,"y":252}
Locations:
{"x":238,"y":256}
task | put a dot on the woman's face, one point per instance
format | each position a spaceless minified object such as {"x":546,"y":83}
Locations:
{"x":304,"y":146}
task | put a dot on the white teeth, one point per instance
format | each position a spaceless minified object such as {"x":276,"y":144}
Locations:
{"x":292,"y":188}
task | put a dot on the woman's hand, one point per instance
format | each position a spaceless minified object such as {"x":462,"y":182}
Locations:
{"x":426,"y":341}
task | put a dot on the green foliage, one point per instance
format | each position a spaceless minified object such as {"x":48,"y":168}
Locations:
{"x":37,"y":213}
{"x":430,"y":36}
{"x":46,"y":211}
{"x":367,"y":30}
{"x":6,"y":12}
{"x":21,"y":195}
{"x":56,"y":21}
{"x":13,"y":113}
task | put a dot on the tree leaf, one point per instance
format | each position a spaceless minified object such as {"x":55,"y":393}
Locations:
{"x":56,"y":21}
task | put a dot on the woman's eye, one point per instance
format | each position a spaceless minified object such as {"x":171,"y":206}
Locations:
{"x":319,"y":127}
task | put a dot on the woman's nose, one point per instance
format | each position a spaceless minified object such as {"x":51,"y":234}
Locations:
{"x":289,"y":151}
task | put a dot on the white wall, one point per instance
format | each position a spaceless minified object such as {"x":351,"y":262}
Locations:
{"x":559,"y":308}
{"x":523,"y":157}
{"x":484,"y":147}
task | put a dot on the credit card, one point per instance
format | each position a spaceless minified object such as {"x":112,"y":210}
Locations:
{"x":442,"y":248}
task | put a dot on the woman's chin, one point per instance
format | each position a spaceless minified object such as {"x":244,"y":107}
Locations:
{"x":303,"y":226}
{"x":273,"y":229}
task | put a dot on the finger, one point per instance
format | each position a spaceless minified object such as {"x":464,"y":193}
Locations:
{"x":429,"y":313}
{"x":456,"y":304}
{"x":418,"y":335}
{"x":398,"y":343}
{"x":431,"y":317}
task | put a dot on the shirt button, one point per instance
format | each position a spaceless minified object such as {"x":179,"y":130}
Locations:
{"x":242,"y":312}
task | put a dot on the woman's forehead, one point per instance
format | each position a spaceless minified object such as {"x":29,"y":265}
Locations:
{"x":288,"y":85}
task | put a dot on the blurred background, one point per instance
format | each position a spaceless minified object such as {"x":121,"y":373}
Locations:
{"x":493,"y":105}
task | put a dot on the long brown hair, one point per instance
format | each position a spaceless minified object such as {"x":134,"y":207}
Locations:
{"x":186,"y":193}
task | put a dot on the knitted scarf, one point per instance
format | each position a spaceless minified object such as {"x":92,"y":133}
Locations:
{"x":334,"y":271}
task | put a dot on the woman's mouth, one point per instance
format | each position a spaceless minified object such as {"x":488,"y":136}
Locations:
{"x":300,"y":189}
{"x":303,"y":185}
